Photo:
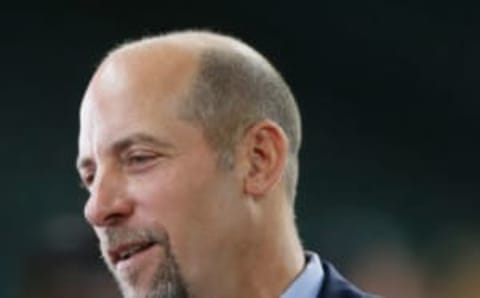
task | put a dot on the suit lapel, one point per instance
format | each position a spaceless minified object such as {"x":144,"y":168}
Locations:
{"x":336,"y":286}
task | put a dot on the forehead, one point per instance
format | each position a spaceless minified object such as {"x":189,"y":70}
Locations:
{"x":134,"y":87}
{"x":154,"y":70}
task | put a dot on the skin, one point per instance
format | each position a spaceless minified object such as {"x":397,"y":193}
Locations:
{"x":229,"y":233}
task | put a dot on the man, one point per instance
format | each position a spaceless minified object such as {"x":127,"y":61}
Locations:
{"x":188,"y":147}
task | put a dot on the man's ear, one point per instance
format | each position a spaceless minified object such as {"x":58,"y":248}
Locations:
{"x":265,"y":152}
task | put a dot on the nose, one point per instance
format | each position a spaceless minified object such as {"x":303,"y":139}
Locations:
{"x":108,"y":203}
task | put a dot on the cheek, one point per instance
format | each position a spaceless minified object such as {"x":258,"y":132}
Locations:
{"x":181,"y":198}
{"x":189,"y":202}
{"x":159,"y":194}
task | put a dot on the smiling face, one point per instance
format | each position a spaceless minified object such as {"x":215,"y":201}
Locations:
{"x":166,"y":215}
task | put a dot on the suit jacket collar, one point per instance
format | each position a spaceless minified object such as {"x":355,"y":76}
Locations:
{"x":336,"y":286}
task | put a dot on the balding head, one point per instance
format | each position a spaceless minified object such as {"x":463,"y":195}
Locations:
{"x":176,"y":132}
{"x":233,"y":87}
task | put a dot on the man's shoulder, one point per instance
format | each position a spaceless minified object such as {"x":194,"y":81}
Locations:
{"x":336,"y":286}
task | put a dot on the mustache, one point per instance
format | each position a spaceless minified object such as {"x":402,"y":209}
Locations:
{"x":115,"y":236}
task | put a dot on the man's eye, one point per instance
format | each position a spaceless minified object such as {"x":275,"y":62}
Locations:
{"x":139,"y":159}
{"x":86,"y":181}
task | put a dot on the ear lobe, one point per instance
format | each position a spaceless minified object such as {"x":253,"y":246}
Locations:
{"x":266,"y":151}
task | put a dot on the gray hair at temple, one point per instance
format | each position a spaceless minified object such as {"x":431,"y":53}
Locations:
{"x":236,"y":87}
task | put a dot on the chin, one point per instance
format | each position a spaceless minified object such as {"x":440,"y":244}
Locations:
{"x":159,"y":278}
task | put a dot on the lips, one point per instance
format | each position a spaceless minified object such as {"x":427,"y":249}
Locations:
{"x":124,"y":252}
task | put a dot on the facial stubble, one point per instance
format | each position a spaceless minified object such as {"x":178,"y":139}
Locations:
{"x":167,"y":280}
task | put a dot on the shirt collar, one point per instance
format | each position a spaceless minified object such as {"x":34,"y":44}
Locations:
{"x":308,"y":283}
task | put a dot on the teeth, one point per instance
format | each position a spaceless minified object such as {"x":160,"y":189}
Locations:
{"x":127,"y":253}
{"x":132,"y":250}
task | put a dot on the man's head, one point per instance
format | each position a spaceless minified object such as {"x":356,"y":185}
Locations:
{"x":188,"y":147}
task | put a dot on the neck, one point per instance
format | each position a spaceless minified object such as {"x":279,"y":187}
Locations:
{"x":265,"y":264}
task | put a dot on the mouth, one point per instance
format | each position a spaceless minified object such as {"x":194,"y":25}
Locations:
{"x":127,"y":251}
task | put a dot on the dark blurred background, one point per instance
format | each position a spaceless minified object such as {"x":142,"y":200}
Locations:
{"x":389,"y":92}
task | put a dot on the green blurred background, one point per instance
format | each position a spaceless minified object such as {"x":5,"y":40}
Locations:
{"x":389,"y":92}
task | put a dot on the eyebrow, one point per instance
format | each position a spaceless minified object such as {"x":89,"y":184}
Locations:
{"x":138,"y":138}
{"x":123,"y":144}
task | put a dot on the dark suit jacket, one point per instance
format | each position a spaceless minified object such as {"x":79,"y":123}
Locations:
{"x":336,"y":286}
